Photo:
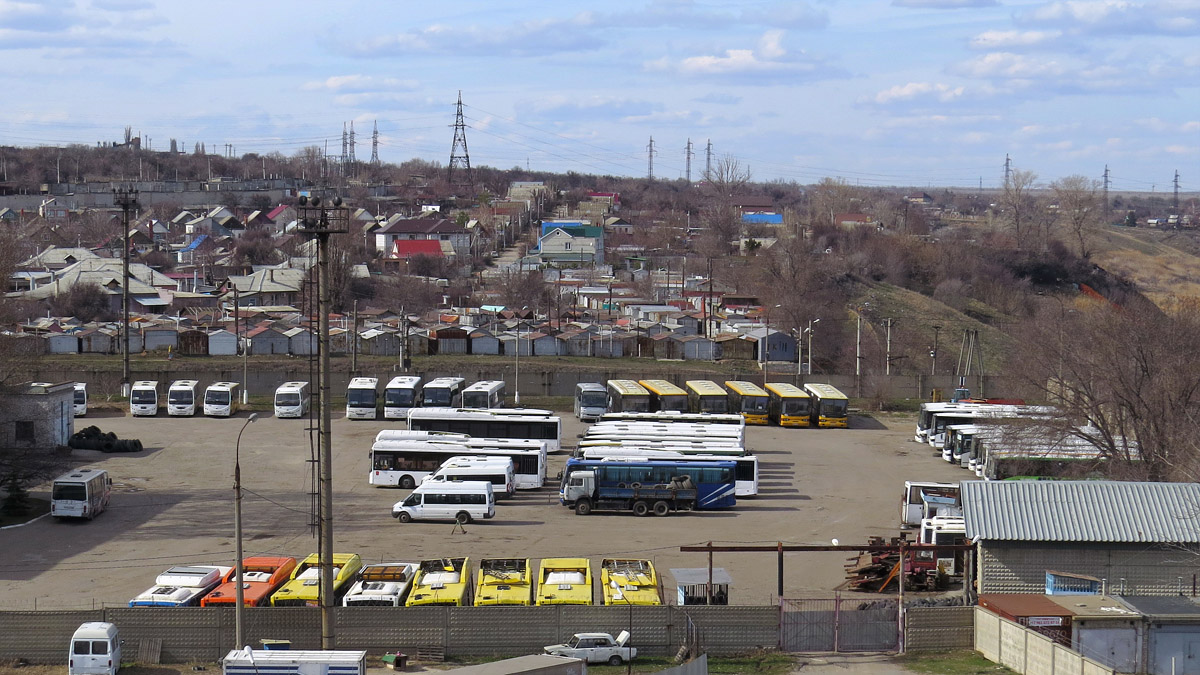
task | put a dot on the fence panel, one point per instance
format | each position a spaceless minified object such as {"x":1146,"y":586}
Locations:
{"x":938,"y":628}
{"x":808,"y":626}
{"x":868,"y":627}
{"x":41,"y":637}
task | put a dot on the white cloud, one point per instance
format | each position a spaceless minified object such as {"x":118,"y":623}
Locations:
{"x":534,"y":37}
{"x":1180,"y":149}
{"x":1013,"y":39}
{"x":361,"y":84}
{"x":1009,"y":66}
{"x":1158,"y":17}
{"x":914,"y":90}
{"x":769,"y":59}
{"x":943,"y":4}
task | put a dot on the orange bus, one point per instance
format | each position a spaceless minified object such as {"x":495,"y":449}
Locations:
{"x":261,"y":575}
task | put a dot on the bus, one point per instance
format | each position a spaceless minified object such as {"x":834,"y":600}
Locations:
{"x":183,"y":586}
{"x":181,"y":398}
{"x":669,"y":417}
{"x":629,"y":582}
{"x":714,"y":480}
{"x":442,"y":581}
{"x":221,"y":399}
{"x":651,"y":432}
{"x":80,"y":401}
{"x":829,"y":406}
{"x":361,"y":396}
{"x":443,"y":392}
{"x":489,"y":424}
{"x":709,"y":447}
{"x":745,"y":479}
{"x":564,"y":581}
{"x":302,"y":588}
{"x":406,"y":464}
{"x":706,"y":396}
{"x":749,"y":399}
{"x":484,"y":395}
{"x":926,"y":415}
{"x":591,"y":401}
{"x":627,"y":396}
{"x":292,"y":399}
{"x":665,"y":396}
{"x":499,"y":471}
{"x":381,"y":585}
{"x":788,"y":405}
{"x":504,"y":581}
{"x":401,"y":394}
{"x":82,"y":493}
{"x":143,"y":398}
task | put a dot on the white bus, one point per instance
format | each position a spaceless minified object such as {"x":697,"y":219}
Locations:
{"x":406,"y":463}
{"x":80,"y":399}
{"x":718,"y":446}
{"x":443,"y":392}
{"x":745,"y":475}
{"x":82,"y":493}
{"x":382,"y":585}
{"x":182,"y":586}
{"x":591,"y":401}
{"x":401,"y":394}
{"x":484,"y":395}
{"x":460,"y":501}
{"x":672,"y":417}
{"x":292,"y":399}
{"x":221,"y":399}
{"x":497,"y":470}
{"x":181,"y":398}
{"x":649,"y":430}
{"x":489,"y":424}
{"x":361,"y":397}
{"x":143,"y":398}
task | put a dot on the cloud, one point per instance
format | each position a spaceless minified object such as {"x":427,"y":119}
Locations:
{"x":35,"y":17}
{"x":718,"y":98}
{"x":361,"y":84}
{"x":943,"y":4}
{"x":591,"y":107}
{"x":768,"y":61}
{"x":1121,"y":17}
{"x":1009,"y":66}
{"x":535,"y":37}
{"x":1013,"y":39}
{"x":943,"y":93}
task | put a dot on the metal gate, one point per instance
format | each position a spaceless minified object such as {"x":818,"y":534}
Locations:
{"x":839,"y":625}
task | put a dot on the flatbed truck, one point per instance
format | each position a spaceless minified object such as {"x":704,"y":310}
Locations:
{"x":582,"y":494}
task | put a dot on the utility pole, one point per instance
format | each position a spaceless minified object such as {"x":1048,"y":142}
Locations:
{"x":858,"y":354}
{"x":650,"y":158}
{"x":933,"y":352}
{"x":888,"y":359}
{"x":1007,"y":170}
{"x":688,"y":157}
{"x":1175,"y":199}
{"x":127,"y":200}
{"x":375,"y":144}
{"x":354,"y":341}
{"x":319,"y":222}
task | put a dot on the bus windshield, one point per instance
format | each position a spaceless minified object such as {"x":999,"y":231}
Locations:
{"x":216,"y":397}
{"x":179,"y":397}
{"x":360,"y":397}
{"x":713,"y":404}
{"x":287,"y":399}
{"x":835,"y":407}
{"x":399,"y":397}
{"x":594,"y":399}
{"x":70,"y":491}
{"x":80,"y":397}
{"x":437,"y":398}
{"x":752,"y":404}
{"x":795,"y":406}
{"x":143,"y":396}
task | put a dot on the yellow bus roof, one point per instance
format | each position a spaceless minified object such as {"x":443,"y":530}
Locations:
{"x":627,"y":388}
{"x":744,"y":388}
{"x":631,"y":582}
{"x":503,"y":582}
{"x":662,"y":387}
{"x":785,"y":390}
{"x":825,"y":391}
{"x":705,"y":387}
{"x":565,"y":581}
{"x":304,"y":582}
{"x":441,"y":582}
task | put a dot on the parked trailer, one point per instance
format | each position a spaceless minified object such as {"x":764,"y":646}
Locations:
{"x":293,"y":662}
{"x":582,"y":494}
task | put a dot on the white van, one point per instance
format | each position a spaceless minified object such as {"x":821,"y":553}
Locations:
{"x":143,"y":398}
{"x":461,"y":501}
{"x":292,"y":399}
{"x":80,"y":399}
{"x":496,"y":470}
{"x":221,"y":399}
{"x":95,"y":649}
{"x":591,"y":401}
{"x":82,"y":493}
{"x":181,"y":398}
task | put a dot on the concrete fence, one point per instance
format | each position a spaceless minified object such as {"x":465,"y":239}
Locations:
{"x":939,"y":628}
{"x":1028,"y":652}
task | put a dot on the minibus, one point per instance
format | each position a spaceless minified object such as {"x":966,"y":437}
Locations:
{"x":361,"y":397}
{"x":496,"y":470}
{"x":181,"y":398}
{"x":82,"y":493}
{"x":80,"y":399}
{"x":460,"y":501}
{"x":292,"y":399}
{"x":591,"y":401}
{"x":221,"y":399}
{"x":143,"y":398}
{"x":95,"y":649}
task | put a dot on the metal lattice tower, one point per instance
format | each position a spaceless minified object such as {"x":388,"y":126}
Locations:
{"x":459,"y":159}
{"x":1007,"y":170}
{"x":375,"y":144}
{"x":345,"y":141}
{"x":1175,"y":199}
{"x":650,"y":155}
{"x":351,"y":155}
{"x":688,"y":155}
{"x":1106,"y":187}
{"x":708,"y":160}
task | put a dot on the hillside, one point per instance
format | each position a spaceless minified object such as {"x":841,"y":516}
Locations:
{"x":1161,"y":264}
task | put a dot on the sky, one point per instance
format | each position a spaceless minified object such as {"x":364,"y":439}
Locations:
{"x":875,"y":92}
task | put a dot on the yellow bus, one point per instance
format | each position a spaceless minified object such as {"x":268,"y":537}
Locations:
{"x":442,"y":581}
{"x":788,"y":405}
{"x":504,"y":581}
{"x":829,"y":406}
{"x":627,"y":396}
{"x":748,"y":399}
{"x":706,"y":396}
{"x":303,"y":588}
{"x":565,"y":581}
{"x":629,"y":582}
{"x":665,"y":396}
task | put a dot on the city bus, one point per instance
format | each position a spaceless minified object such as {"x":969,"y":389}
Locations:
{"x":706,"y":396}
{"x":221,"y":399}
{"x":406,"y":463}
{"x":925,"y":416}
{"x":443,"y":392}
{"x":745,"y":478}
{"x":303,"y":589}
{"x":484,"y":395}
{"x":361,"y":398}
{"x":719,"y":446}
{"x":292,"y":399}
{"x":401,"y":394}
{"x":442,"y":581}
{"x":591,"y":401}
{"x":648,"y":431}
{"x":788,"y":405}
{"x":627,"y":396}
{"x":714,"y":480}
{"x":669,"y":417}
{"x":489,"y":424}
{"x":749,"y":399}
{"x":829,"y":406}
{"x":665,"y":396}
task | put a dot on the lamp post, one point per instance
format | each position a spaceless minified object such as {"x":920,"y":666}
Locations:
{"x":517,"y":364}
{"x":765,"y":347}
{"x":809,"y":330}
{"x":239,"y":595}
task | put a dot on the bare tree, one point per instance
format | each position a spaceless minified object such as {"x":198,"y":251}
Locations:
{"x":727,"y":179}
{"x":1079,"y":209}
{"x":1018,"y":204}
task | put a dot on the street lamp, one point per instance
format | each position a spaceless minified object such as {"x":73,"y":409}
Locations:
{"x":517,"y":364}
{"x":765,"y":345}
{"x":239,"y":597}
{"x":809,"y":330}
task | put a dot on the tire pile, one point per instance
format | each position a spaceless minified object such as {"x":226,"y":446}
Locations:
{"x":91,"y":438}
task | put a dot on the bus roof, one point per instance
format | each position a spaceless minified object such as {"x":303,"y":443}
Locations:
{"x":826,"y":391}
{"x":662,"y":387}
{"x":705,"y":387}
{"x":589,"y":386}
{"x":403,"y":382}
{"x":178,"y":384}
{"x":485,"y":385}
{"x":475,"y":414}
{"x":627,"y":388}
{"x":786,"y":390}
{"x":146,"y":384}
{"x":364,"y":383}
{"x":744,"y":388}
{"x":292,"y":386}
{"x":223,"y":386}
{"x":444,"y":382}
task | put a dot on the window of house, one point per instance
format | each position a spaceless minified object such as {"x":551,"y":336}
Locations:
{"x":23,"y":431}
{"x":566,"y":246}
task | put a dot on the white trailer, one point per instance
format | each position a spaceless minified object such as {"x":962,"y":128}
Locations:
{"x":298,"y":662}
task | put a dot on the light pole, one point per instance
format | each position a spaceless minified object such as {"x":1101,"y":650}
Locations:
{"x":765,"y":346}
{"x":809,"y":330}
{"x":517,"y":364}
{"x":239,"y":596}
{"x":127,"y":200}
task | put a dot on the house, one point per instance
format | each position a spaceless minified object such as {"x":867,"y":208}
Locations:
{"x":432,"y":229}
{"x":1145,"y":534}
{"x":37,"y":416}
{"x":106,"y":273}
{"x":855,"y":220}
{"x":618,"y":225}
{"x":562,"y":248}
{"x":407,"y":249}
{"x":271,"y":286}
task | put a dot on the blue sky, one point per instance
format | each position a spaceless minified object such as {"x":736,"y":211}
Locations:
{"x":877,"y":92}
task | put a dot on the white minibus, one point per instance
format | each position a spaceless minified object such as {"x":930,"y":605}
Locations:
{"x":591,"y":401}
{"x":143,"y":398}
{"x":95,"y":649}
{"x":484,"y":394}
{"x":181,"y":398}
{"x":461,"y":501}
{"x":221,"y":399}
{"x":80,"y":399}
{"x":444,"y":392}
{"x":292,"y":399}
{"x":496,"y":470}
{"x":400,"y":395}
{"x":361,"y":397}
{"x":82,"y":493}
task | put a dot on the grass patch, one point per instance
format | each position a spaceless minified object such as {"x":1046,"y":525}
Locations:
{"x":37,"y":507}
{"x":760,"y":663}
{"x":964,"y":662}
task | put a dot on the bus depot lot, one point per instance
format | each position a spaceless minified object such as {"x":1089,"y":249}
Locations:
{"x":173,"y":504}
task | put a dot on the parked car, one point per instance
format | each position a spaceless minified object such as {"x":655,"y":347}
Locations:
{"x":596,"y":648}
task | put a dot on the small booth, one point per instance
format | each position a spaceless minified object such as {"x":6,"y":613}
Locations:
{"x":1036,"y":612}
{"x":701,"y":586}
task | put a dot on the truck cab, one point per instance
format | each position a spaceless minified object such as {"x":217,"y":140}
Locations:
{"x":596,"y":648}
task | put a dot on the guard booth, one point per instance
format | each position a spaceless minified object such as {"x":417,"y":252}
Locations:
{"x":692,"y":586}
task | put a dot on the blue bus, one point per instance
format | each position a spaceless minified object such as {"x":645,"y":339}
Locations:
{"x":715,"y":481}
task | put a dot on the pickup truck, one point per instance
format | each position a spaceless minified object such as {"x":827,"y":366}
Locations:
{"x":596,"y":648}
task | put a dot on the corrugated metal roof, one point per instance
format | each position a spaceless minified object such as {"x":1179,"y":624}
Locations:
{"x":1077,"y":511}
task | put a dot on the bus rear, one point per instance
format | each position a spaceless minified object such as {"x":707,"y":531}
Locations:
{"x":665,"y":396}
{"x":82,"y":493}
{"x":627,"y":396}
{"x":706,"y":396}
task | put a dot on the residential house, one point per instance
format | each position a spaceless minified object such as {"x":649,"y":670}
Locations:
{"x":270,"y":286}
{"x":434,"y":229}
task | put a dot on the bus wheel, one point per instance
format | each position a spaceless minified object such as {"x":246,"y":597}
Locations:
{"x":404,"y":517}
{"x":407,"y":482}
{"x":661,"y":508}
{"x":462,"y":518}
{"x":583,"y":507}
{"x":640,"y":508}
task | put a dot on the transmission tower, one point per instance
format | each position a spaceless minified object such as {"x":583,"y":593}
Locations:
{"x":459,"y":159}
{"x":688,"y":170}
{"x":650,"y":156}
{"x":350,"y":156}
{"x":375,"y":144}
{"x":1175,"y":199}
{"x":708,"y":160}
{"x":345,"y":142}
{"x":1007,"y":170}
{"x":1106,"y":177}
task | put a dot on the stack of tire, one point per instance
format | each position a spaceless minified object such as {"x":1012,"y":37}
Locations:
{"x":91,"y":438}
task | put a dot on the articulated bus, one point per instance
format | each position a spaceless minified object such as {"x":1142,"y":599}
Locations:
{"x":829,"y":406}
{"x":361,"y":397}
{"x":749,"y":399}
{"x":788,"y":405}
{"x":745,"y":473}
{"x":665,"y":396}
{"x":490,"y":424}
{"x":443,"y":392}
{"x":627,"y":396}
{"x":714,"y":481}
{"x":401,"y":394}
{"x":406,"y":464}
{"x":706,"y":396}
{"x":484,"y":395}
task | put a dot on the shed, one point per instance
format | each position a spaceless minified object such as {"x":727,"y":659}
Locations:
{"x":1034,"y":611}
{"x":1172,"y":631}
{"x":692,"y":585}
{"x":698,"y":348}
{"x":266,"y":340}
{"x":483,"y":342}
{"x":418,"y":343}
{"x":609,"y":344}
{"x":576,"y":343}
{"x":193,"y":343}
{"x":450,"y":340}
{"x":39,"y":415}
{"x":541,"y":344}
{"x":160,"y":338}
{"x":301,"y":341}
{"x":731,"y":346}
{"x":61,"y":343}
{"x":97,"y":341}
{"x":377,"y":342}
{"x":1105,"y":630}
{"x":222,"y":343}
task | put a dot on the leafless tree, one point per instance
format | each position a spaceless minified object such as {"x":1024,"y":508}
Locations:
{"x":1018,"y":204}
{"x":1079,"y":209}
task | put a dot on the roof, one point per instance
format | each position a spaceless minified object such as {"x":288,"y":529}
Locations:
{"x":1022,"y":604}
{"x":422,"y":226}
{"x":1157,"y":608}
{"x":1081,"y":511}
{"x":195,"y":243}
{"x":1094,"y":606}
{"x":405,"y":248}
{"x":687,"y":576}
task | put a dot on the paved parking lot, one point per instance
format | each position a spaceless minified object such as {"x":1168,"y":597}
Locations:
{"x":172,"y":504}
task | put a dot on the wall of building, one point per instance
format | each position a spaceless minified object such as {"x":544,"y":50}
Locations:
{"x":1129,"y":569}
{"x":1027,"y":652}
{"x":51,"y":411}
